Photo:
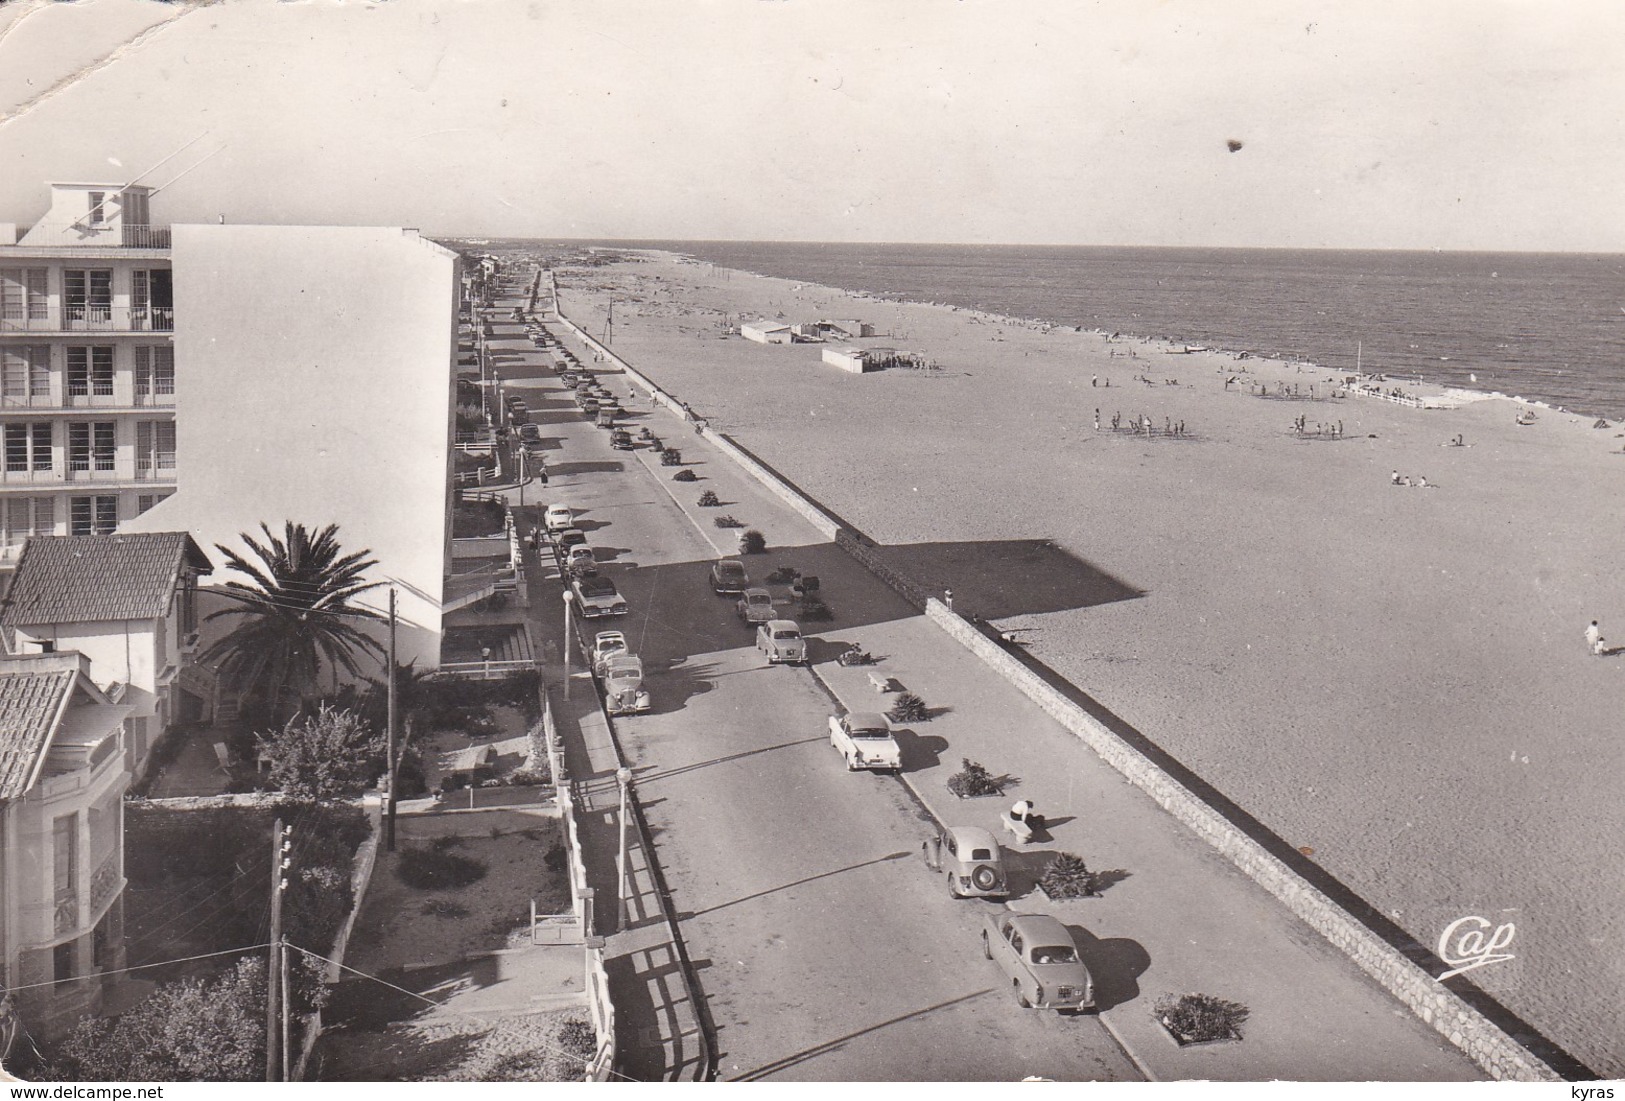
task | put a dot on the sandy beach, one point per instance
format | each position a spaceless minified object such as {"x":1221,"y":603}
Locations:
{"x":1391,"y":677}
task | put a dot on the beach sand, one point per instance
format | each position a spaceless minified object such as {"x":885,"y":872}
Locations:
{"x":1391,"y":678}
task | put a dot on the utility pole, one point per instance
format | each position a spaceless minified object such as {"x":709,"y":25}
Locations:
{"x":623,"y":778}
{"x":609,"y":324}
{"x":273,"y":970}
{"x":389,"y":751}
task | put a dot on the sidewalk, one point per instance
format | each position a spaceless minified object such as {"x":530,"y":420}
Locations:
{"x":658,"y":1031}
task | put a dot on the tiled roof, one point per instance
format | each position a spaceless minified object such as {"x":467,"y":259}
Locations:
{"x":95,"y":578}
{"x":30,"y":701}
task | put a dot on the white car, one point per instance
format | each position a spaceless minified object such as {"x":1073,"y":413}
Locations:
{"x":780,"y":641}
{"x":755,"y":606}
{"x":558,"y":517}
{"x":579,"y":560}
{"x":596,"y":596}
{"x":605,"y":645}
{"x":864,"y":738}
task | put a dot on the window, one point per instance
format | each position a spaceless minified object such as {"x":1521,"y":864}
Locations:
{"x":88,"y":294}
{"x":65,"y":876}
{"x":152,"y":299}
{"x":154,"y":370}
{"x":98,"y":200}
{"x":22,"y":294}
{"x":25,"y":516}
{"x":62,"y":962}
{"x":146,"y":501}
{"x":154,"y":447}
{"x":90,"y":371}
{"x":28,"y":446}
{"x":91,"y":444}
{"x":26,"y":374}
{"x":93,"y":515}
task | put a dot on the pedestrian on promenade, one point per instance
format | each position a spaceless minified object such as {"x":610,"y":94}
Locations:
{"x":1593,"y":636}
{"x":1094,"y":380}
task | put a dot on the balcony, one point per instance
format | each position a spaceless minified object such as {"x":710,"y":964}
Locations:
{"x":93,"y":319}
{"x":87,"y":236}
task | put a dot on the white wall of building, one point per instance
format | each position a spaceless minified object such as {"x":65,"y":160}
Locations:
{"x":314,"y":372}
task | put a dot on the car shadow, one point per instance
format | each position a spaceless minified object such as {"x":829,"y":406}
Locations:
{"x":1116,"y":964}
{"x":919,"y":751}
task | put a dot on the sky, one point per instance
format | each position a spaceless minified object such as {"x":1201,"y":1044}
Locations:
{"x":1421,"y":124}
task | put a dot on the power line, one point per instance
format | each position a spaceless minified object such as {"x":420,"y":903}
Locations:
{"x":139,"y":967}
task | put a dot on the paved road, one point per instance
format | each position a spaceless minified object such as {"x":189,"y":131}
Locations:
{"x":824,"y":948}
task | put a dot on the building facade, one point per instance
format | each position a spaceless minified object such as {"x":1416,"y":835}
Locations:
{"x":62,"y":784}
{"x":87,"y":366}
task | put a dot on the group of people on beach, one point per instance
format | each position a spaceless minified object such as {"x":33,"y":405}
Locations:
{"x":1595,"y":643}
{"x":1400,"y":480}
{"x":1142,"y":425}
{"x":1301,"y":427}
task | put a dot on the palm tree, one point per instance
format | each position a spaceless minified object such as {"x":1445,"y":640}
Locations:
{"x":295,"y":614}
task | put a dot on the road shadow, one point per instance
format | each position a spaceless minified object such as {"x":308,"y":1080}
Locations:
{"x":1116,"y":963}
{"x":1003,"y":578}
{"x":591,"y":466}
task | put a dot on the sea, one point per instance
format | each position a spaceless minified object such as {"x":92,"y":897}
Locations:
{"x":1545,"y":327}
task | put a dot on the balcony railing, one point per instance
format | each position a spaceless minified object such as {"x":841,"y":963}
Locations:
{"x":95,"y":319}
{"x":85,"y":235}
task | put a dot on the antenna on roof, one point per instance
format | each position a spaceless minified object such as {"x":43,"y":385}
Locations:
{"x":184,"y":171}
{"x":148,"y":172}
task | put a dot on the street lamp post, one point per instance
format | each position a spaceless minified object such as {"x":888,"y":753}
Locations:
{"x":623,"y":777}
{"x":569,"y":598}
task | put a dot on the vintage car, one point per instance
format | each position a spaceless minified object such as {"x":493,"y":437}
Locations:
{"x":755,"y":606}
{"x":623,"y":685}
{"x":864,"y":738}
{"x":606,"y":417}
{"x":780,"y":642}
{"x":596,"y":596}
{"x":605,"y":645}
{"x":971,"y":860}
{"x":579,"y":561}
{"x":530,"y":433}
{"x":565,"y":538}
{"x":620,"y":439}
{"x":728,"y":576}
{"x":558,"y":517}
{"x":1041,"y":960}
{"x":589,"y":405}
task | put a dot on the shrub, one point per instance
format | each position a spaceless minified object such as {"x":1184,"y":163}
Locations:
{"x":783,"y":575}
{"x":685,"y":476}
{"x":752,"y":542}
{"x":671,"y":457}
{"x":709,"y":499}
{"x":972,"y":780}
{"x":437,"y":868}
{"x":1194,"y":1018}
{"x":908,"y":708}
{"x":1067,"y":876}
{"x":815,"y":611}
{"x":577,"y":1044}
{"x":726,"y":522}
{"x":329,"y":755}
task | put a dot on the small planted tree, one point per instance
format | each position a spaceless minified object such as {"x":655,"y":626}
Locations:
{"x":1067,"y":876}
{"x":709,"y":499}
{"x":685,"y":476}
{"x":671,"y":457}
{"x":1200,"y":1018}
{"x":908,"y":708}
{"x":726,"y":522}
{"x":972,"y":780}
{"x":752,"y":542}
{"x":329,"y":755}
{"x":815,"y":610}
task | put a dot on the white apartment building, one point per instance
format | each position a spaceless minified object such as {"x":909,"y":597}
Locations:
{"x":87,"y":366}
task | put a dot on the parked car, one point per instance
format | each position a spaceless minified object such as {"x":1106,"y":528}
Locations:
{"x":565,"y":538}
{"x":530,"y":433}
{"x":606,"y":417}
{"x":972,"y":861}
{"x":620,"y":439}
{"x":517,"y":417}
{"x":755,"y":606}
{"x":1040,"y":958}
{"x":589,"y":404}
{"x":579,"y":561}
{"x":605,"y":645}
{"x":558,"y":517}
{"x":728,"y":576}
{"x":596,"y":595}
{"x":780,"y":642}
{"x":864,"y":738}
{"x":623,"y":685}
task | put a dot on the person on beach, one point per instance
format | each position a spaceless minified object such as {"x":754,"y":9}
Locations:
{"x":1094,"y":380}
{"x":1600,"y":648}
{"x":1097,"y":420}
{"x":1593,"y":636}
{"x":1395,"y":479}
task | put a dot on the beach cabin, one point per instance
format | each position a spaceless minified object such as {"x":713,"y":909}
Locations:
{"x":848,"y":359}
{"x":845,"y":329}
{"x":767,"y":332}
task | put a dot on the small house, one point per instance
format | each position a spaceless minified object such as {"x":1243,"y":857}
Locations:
{"x":767,"y":332}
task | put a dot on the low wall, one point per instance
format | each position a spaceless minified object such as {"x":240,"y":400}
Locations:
{"x":602,"y":1011}
{"x":1466,"y":1028}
